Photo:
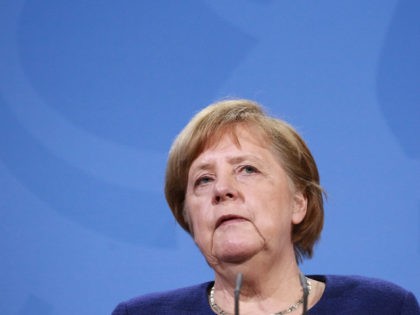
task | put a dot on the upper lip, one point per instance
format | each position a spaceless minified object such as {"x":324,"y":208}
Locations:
{"x":227,"y":217}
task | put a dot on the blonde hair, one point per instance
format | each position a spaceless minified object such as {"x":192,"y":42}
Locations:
{"x":219,"y":118}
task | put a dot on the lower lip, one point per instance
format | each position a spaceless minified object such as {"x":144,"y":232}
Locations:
{"x":232,"y":221}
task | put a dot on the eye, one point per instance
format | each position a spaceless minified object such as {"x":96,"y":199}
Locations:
{"x":249,"y":169}
{"x":202,"y":180}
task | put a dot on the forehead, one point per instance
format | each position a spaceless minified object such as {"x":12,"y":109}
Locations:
{"x":237,"y":133}
{"x":238,"y":142}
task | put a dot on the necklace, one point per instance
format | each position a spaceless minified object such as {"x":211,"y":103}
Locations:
{"x":218,"y":310}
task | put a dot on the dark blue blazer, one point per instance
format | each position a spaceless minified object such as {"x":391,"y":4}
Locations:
{"x":344,"y":295}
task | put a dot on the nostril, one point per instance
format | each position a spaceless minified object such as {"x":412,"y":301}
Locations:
{"x":229,"y":195}
{"x":221,"y":196}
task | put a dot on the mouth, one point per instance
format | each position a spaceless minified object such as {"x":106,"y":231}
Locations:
{"x":230,"y":218}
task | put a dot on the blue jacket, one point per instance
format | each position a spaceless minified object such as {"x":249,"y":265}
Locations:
{"x":343,"y":295}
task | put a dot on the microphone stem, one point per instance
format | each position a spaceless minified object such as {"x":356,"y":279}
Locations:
{"x":237,"y":292}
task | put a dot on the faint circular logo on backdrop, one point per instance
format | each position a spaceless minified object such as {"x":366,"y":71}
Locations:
{"x":93,"y":97}
{"x":398,"y":76}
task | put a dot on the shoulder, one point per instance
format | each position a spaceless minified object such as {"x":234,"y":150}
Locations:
{"x":366,"y":295}
{"x":188,"y":300}
{"x":364,"y":284}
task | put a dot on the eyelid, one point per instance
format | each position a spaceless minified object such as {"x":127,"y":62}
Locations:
{"x":197,"y":181}
{"x":244,"y":166}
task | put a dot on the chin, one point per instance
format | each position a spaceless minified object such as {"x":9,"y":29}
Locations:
{"x":236,"y":255}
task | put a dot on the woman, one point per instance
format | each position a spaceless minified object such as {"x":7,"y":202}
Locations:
{"x":246,"y":187}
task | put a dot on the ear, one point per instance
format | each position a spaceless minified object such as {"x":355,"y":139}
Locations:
{"x":300,"y":204}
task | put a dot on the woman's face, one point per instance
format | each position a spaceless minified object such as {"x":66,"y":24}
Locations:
{"x":239,"y":200}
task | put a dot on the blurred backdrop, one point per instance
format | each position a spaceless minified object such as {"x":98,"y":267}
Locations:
{"x":92,"y":93}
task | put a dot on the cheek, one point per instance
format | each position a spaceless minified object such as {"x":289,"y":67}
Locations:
{"x":199,"y":220}
{"x":202,"y":236}
{"x":275,"y":215}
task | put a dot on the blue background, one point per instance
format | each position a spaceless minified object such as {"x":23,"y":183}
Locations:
{"x":92,"y":94}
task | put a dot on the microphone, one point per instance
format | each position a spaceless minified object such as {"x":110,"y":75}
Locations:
{"x":237,"y":292}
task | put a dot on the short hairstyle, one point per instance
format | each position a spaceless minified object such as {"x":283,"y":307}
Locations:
{"x":209,"y":125}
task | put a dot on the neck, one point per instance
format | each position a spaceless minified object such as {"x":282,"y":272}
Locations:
{"x":267,"y":287}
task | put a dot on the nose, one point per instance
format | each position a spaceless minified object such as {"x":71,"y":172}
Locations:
{"x":225,"y":189}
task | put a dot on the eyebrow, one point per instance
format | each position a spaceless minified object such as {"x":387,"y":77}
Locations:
{"x":241,"y":158}
{"x":231,"y":160}
{"x":201,"y":166}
